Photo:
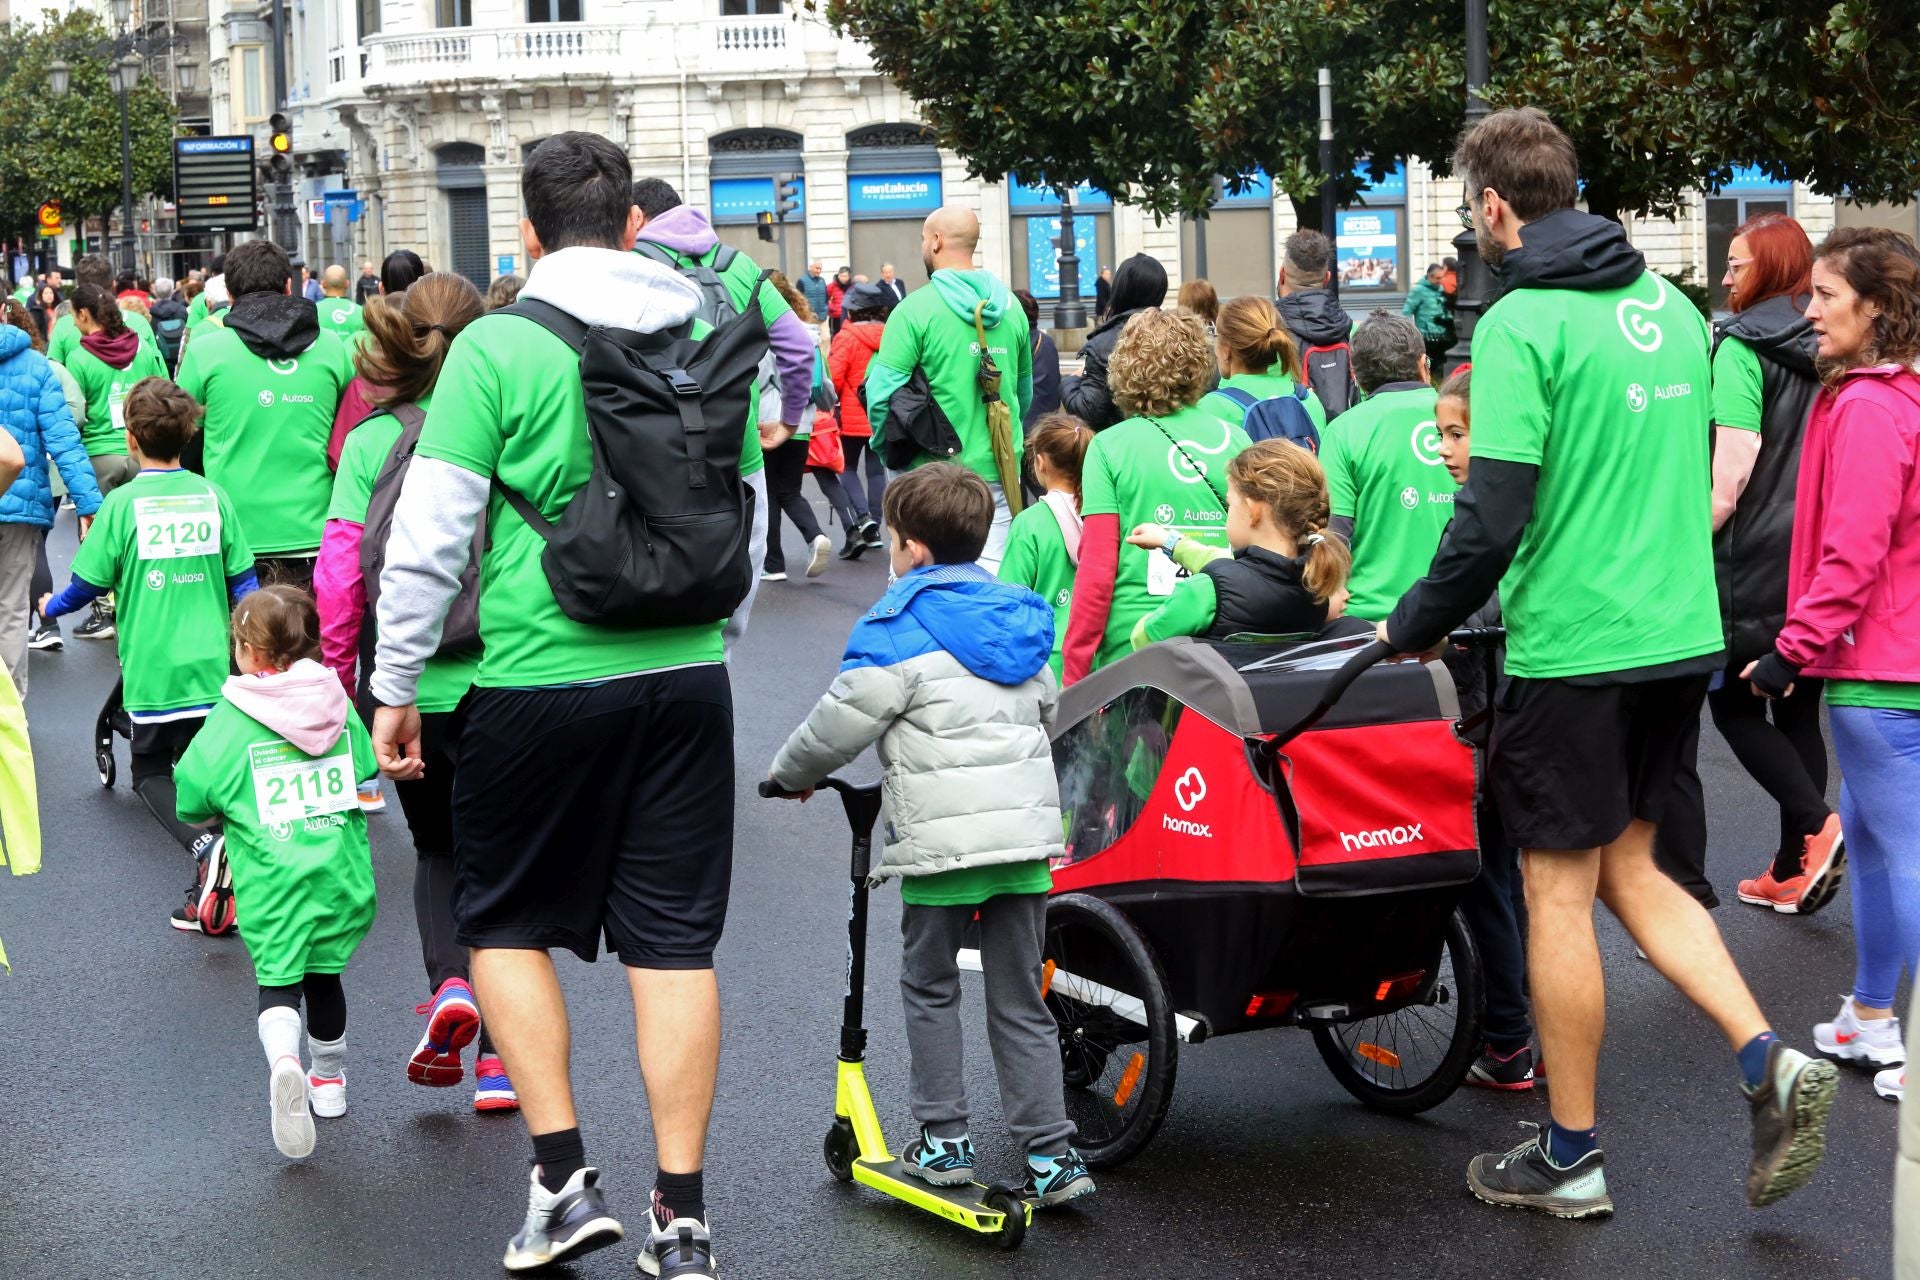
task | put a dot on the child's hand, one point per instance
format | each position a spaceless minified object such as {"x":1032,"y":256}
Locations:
{"x":802,"y":796}
{"x":41,"y":606}
{"x":1150,"y":536}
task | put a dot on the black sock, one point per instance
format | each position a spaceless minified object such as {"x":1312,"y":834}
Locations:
{"x":678,"y":1195}
{"x":558,"y":1156}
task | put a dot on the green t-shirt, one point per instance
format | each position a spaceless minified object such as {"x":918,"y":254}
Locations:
{"x":105,"y":387}
{"x":509,"y":404}
{"x":1887,"y":695}
{"x":1135,"y":471}
{"x":197,"y":309}
{"x":1738,"y":384}
{"x":446,"y":677}
{"x":340,"y":316}
{"x":267,"y":427}
{"x":165,"y":543}
{"x":296,"y":839}
{"x":1382,"y":459}
{"x":1036,"y":558}
{"x":1261,"y":386}
{"x":971,"y":886}
{"x":65,"y":338}
{"x":1607,"y":393}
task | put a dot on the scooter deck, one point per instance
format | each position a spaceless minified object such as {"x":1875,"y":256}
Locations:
{"x":963,"y":1202}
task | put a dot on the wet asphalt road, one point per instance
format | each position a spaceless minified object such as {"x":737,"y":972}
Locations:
{"x":134,"y":1137}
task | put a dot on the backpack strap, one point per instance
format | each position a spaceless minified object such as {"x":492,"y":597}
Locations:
{"x":723,"y":256}
{"x":568,"y":328}
{"x":657,"y":253}
{"x":1237,"y":395}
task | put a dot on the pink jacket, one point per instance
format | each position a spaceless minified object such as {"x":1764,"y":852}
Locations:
{"x":1853,"y":581}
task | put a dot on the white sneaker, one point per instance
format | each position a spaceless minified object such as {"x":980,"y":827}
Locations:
{"x":329,"y":1097}
{"x":562,"y":1225}
{"x":292,"y":1119}
{"x":822,"y":552}
{"x":1891,"y":1083}
{"x":1852,"y":1039}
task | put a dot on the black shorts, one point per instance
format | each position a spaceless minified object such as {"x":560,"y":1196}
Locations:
{"x":158,"y":745}
{"x":582,"y":811}
{"x":1571,"y":765}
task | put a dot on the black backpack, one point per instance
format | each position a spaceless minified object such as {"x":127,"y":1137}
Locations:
{"x":659,"y":535}
{"x":916,"y":425}
{"x":1330,"y":374}
{"x":716,"y":304}
{"x":462,"y":627}
{"x":169,"y":328}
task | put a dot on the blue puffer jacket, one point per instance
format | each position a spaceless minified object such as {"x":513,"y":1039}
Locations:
{"x":34,"y":409}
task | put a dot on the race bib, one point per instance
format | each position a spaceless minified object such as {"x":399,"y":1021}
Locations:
{"x":288,"y":787}
{"x":116,"y":407}
{"x":178,"y":525}
{"x":1162,"y":573}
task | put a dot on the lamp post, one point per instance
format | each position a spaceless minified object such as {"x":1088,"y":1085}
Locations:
{"x":1328,"y":224}
{"x":1069,"y":312}
{"x":123,"y":53}
{"x":1476,"y":290}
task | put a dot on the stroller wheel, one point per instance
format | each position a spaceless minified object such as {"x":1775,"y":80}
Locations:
{"x":1118,"y":1046}
{"x":103,"y":758}
{"x":1414,"y":1058}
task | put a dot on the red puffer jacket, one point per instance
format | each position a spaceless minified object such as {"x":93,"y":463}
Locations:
{"x":847,"y":360}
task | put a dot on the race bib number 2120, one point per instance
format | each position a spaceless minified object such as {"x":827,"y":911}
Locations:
{"x":289,"y":787}
{"x":178,"y":525}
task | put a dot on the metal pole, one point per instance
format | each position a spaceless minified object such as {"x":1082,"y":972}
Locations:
{"x":281,"y":197}
{"x":783,"y":247}
{"x":128,"y":229}
{"x":1328,"y":228}
{"x":1069,"y":312}
{"x":1476,"y":288}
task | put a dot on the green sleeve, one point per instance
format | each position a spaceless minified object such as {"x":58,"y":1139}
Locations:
{"x":463,"y":422}
{"x":1737,"y":386}
{"x":1337,"y":460}
{"x":104,"y":548}
{"x":343,"y":360}
{"x":197,"y":309}
{"x":1316,"y":411}
{"x":1189,"y":611}
{"x":1097,"y":495}
{"x":1511,"y":384}
{"x":892,"y":365}
{"x":236,"y":555}
{"x":353,"y":482}
{"x":195,"y":774}
{"x":1021,"y":563}
{"x":1223,"y":408}
{"x":65,"y":337}
{"x":1194,"y":555}
{"x":190,"y":377}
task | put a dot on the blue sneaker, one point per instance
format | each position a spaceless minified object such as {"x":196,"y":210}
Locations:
{"x":453,"y":1020}
{"x":492,"y":1091}
{"x":1055,"y":1180}
{"x":945,"y":1162}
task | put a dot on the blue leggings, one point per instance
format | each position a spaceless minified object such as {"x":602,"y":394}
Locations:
{"x":1879,"y":756}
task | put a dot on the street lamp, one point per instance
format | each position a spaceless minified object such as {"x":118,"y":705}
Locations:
{"x":122,"y":12}
{"x":1476,"y":290}
{"x":59,"y":77}
{"x":185,"y":74}
{"x":123,"y":74}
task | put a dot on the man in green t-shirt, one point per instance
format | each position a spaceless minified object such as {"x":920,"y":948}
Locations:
{"x":270,"y":380}
{"x":633,"y":836}
{"x":1390,"y":496}
{"x":933,"y":330}
{"x":1589,"y":492}
{"x":338,"y":313}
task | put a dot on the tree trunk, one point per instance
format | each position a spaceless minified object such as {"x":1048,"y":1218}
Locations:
{"x":1306,"y":213}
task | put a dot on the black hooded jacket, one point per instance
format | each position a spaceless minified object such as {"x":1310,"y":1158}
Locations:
{"x":1564,"y":250}
{"x":1750,"y":550}
{"x":1139,"y":285}
{"x":274,"y":326}
{"x":1315,"y":318}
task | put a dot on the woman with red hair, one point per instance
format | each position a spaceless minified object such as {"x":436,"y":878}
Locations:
{"x":1764,"y":386}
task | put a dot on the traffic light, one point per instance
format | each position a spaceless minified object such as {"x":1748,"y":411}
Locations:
{"x":279,"y":145}
{"x":786,"y":195}
{"x":765,"y":228}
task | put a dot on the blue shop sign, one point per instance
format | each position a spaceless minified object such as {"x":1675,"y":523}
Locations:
{"x":1256,"y":190}
{"x":742,"y":199}
{"x":1024,"y":197}
{"x":892,"y":195}
{"x":237,"y":145}
{"x":1753,"y":178}
{"x":1391,"y":187}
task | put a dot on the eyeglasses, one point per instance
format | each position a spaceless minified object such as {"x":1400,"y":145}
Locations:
{"x":1466,"y":215}
{"x":1734,"y":264}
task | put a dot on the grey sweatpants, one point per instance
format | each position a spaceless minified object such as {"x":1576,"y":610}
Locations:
{"x":19,"y":544}
{"x":1025,"y":1042}
{"x":736,"y":627}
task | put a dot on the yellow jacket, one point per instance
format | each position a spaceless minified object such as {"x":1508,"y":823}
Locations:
{"x":19,"y":801}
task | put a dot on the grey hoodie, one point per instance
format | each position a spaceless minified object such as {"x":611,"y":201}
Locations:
{"x":441,"y":504}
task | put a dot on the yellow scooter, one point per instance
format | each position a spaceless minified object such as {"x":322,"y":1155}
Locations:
{"x":856,"y":1148}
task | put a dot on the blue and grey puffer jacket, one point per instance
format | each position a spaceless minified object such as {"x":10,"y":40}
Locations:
{"x":34,"y":408}
{"x":949,"y":674}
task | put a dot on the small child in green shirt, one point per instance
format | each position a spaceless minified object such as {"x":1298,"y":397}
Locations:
{"x":1043,"y":545}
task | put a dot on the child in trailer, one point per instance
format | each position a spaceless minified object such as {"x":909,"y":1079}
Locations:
{"x":170,"y":547}
{"x":1286,"y":575}
{"x":276,"y":762}
{"x":948,"y":675}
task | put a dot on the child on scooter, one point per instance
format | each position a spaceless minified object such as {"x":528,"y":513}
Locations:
{"x":948,"y":674}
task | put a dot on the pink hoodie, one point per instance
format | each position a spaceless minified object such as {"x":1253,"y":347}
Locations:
{"x":1853,"y":581}
{"x":303,"y":704}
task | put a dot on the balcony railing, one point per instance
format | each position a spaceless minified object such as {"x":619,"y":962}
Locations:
{"x":537,"y":49}
{"x":757,"y":46}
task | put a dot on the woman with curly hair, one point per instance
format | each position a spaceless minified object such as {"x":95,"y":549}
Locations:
{"x":1165,"y":463}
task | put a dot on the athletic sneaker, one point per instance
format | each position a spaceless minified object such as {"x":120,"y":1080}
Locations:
{"x":453,"y":1020}
{"x":1524,"y":1178}
{"x":328,"y":1096}
{"x":773,"y":575}
{"x":213,"y":885}
{"x":372,"y":799}
{"x":856,"y":544}
{"x":875,"y":539}
{"x":1764,"y":891}
{"x":822,"y":552}
{"x":681,"y":1250}
{"x":1055,"y":1180}
{"x":1789,"y":1123}
{"x":1891,"y":1083}
{"x":46,"y":638}
{"x":1823,"y":865}
{"x":1512,"y":1072}
{"x":1853,"y":1039}
{"x":292,"y":1116}
{"x":562,"y":1224}
{"x":99,"y":626}
{"x":945,"y":1162}
{"x":492,"y":1091}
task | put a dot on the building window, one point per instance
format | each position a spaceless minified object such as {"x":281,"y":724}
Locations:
{"x":1727,"y":211}
{"x":553,"y":10}
{"x":750,"y":8}
{"x":453,"y":13}
{"x":369,"y":11}
{"x":253,"y":87}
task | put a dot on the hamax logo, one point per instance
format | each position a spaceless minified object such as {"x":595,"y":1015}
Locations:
{"x":1380,"y":837}
{"x":1191,"y":789}
{"x":1636,"y":397}
{"x":1643,"y":333}
{"x":1426,"y":442}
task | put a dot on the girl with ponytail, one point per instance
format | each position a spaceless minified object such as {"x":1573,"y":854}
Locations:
{"x":408,"y":335}
{"x":1286,"y":574}
{"x":1043,"y":546}
{"x":1258,"y":361}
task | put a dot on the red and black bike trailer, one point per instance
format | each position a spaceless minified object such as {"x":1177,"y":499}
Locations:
{"x":1259,"y":835}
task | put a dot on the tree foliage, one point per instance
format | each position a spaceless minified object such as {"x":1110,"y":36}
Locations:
{"x":1149,"y":98}
{"x":68,"y":149}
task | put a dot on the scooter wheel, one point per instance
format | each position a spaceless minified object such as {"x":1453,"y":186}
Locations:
{"x":103,"y":760}
{"x":839,"y":1150}
{"x":1013,"y":1226}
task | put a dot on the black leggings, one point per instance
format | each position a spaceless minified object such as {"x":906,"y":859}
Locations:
{"x":42,"y":576}
{"x":1787,"y":756}
{"x":156,"y":749}
{"x":866,"y":494}
{"x":786,"y":467}
{"x":1495,"y":907}
{"x":326,"y":1003}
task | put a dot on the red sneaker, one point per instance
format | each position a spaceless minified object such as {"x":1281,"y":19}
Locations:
{"x":1782,"y":895}
{"x":1823,"y":865}
{"x":453,"y":1020}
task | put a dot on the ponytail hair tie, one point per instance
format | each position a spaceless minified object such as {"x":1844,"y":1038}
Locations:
{"x":441,"y":329}
{"x":1314,"y":539}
